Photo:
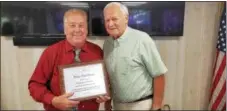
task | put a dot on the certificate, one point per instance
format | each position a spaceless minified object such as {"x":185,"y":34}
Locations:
{"x":87,"y":80}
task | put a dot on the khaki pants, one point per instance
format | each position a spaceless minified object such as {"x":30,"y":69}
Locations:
{"x":141,"y":105}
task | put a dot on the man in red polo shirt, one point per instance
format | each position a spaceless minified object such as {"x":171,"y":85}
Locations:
{"x":44,"y":84}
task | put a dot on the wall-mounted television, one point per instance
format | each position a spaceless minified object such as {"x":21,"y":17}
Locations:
{"x":27,"y":18}
{"x":45,"y":18}
{"x":155,"y":18}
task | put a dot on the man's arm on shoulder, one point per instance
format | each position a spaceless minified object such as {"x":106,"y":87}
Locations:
{"x":37,"y":83}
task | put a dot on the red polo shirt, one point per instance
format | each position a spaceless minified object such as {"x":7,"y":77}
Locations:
{"x":60,"y":53}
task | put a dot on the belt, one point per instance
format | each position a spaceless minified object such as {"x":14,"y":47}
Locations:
{"x":144,"y":98}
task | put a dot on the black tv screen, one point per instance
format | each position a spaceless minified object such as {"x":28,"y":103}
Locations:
{"x":31,"y":18}
{"x":155,"y":18}
{"x":140,"y":19}
{"x":36,"y":18}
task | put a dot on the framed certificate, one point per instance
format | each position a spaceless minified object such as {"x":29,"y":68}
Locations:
{"x":87,"y":80}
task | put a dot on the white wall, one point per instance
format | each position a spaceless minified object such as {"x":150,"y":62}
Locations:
{"x":189,"y":59}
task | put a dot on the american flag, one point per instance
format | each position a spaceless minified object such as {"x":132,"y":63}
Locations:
{"x":218,"y":88}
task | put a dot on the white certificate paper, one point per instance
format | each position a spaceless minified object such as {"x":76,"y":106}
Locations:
{"x":84,"y":81}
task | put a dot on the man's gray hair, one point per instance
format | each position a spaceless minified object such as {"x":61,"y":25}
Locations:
{"x":123,"y":8}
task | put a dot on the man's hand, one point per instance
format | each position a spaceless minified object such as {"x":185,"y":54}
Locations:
{"x":62,"y":102}
{"x":101,"y":99}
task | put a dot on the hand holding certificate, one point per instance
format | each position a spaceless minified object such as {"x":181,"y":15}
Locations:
{"x":85,"y":80}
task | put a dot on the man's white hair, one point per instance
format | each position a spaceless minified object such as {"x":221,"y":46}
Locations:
{"x":123,"y":8}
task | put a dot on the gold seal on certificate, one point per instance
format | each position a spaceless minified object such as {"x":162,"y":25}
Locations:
{"x":87,"y":80}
